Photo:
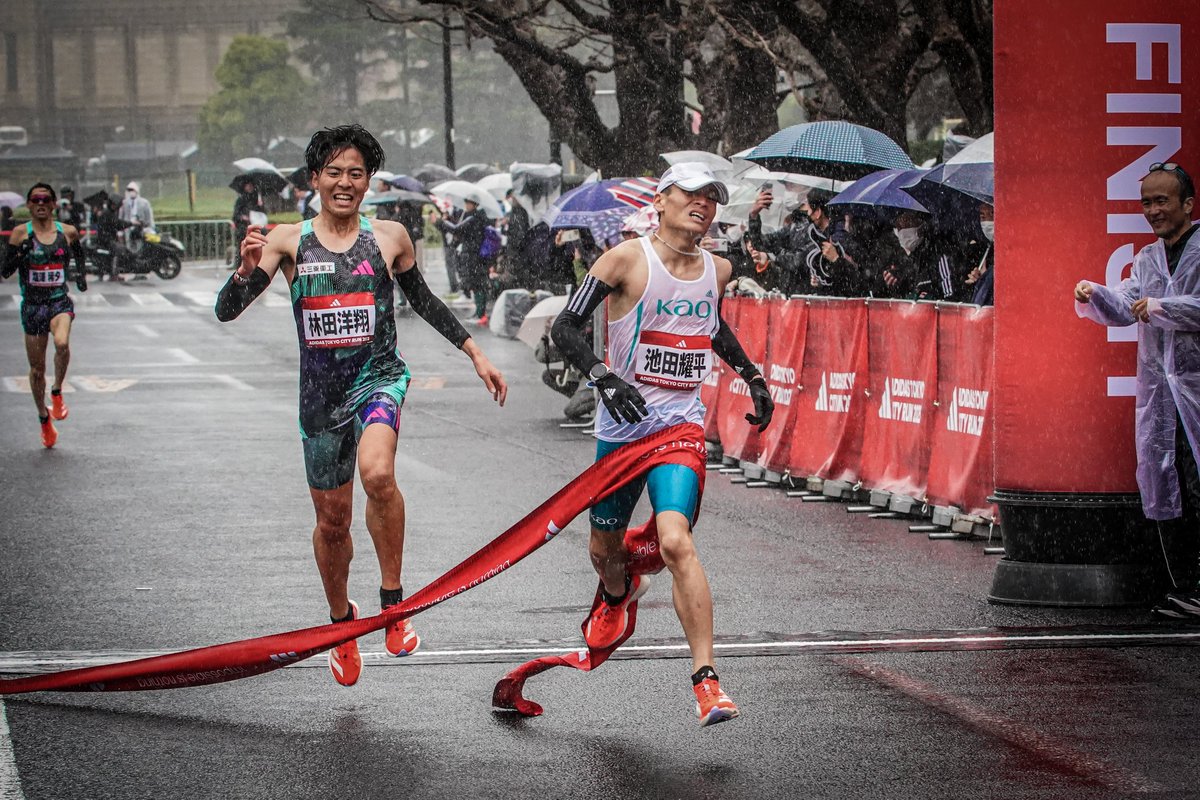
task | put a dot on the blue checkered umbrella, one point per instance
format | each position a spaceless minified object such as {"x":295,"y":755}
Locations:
{"x":879,"y":195}
{"x":601,"y":207}
{"x":830,"y":149}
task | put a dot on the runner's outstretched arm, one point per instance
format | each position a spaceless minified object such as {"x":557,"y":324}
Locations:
{"x":235,"y":297}
{"x":430,"y":308}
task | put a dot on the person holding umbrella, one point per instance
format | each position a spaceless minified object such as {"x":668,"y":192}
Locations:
{"x":472,"y":267}
{"x":664,"y":326}
{"x":353,"y":381}
{"x":248,"y":203}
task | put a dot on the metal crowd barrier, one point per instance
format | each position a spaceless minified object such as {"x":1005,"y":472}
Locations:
{"x":203,"y":239}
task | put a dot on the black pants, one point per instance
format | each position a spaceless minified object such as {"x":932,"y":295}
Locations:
{"x":1181,"y":537}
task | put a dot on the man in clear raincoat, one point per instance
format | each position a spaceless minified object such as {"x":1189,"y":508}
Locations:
{"x":1162,"y":295}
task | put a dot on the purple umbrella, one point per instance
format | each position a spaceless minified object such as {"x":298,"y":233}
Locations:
{"x":12,"y":200}
{"x":408,"y":183}
{"x":601,"y":207}
{"x":880,"y":195}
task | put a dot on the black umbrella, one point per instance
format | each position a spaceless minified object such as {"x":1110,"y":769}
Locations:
{"x":473,"y":172}
{"x":264,"y":182}
{"x":429,"y":174}
{"x":97,"y":199}
{"x":299,"y":178}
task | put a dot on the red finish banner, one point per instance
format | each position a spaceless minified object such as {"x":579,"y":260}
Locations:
{"x":901,"y":384}
{"x":960,"y":464}
{"x":740,"y":439}
{"x":1085,"y":100}
{"x":681,"y":444}
{"x":787,"y":332}
{"x":827,"y":408}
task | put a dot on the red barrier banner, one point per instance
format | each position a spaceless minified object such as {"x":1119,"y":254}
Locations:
{"x":787,"y":332}
{"x":1123,"y":93}
{"x":901,"y":384}
{"x":740,"y":439}
{"x":960,"y":463}
{"x":827,"y":407}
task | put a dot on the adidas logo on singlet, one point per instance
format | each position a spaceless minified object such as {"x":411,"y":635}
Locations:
{"x":681,"y":343}
{"x":335,"y":304}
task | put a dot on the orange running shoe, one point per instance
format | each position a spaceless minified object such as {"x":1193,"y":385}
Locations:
{"x":712,"y":704}
{"x":344,"y":661}
{"x":58,"y":408}
{"x":49,"y":434}
{"x":607,"y":623}
{"x":400,"y":639}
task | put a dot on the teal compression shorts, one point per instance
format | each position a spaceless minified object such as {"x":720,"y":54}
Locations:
{"x":673,"y":487}
{"x":329,"y":457}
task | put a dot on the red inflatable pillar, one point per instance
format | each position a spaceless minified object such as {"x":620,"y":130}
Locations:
{"x":1085,"y":101}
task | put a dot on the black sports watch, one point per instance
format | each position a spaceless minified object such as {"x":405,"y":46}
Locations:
{"x":598,"y":371}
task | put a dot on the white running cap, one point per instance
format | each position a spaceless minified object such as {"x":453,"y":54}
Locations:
{"x":692,"y":176}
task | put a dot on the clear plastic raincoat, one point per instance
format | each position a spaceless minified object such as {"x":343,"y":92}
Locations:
{"x":1168,"y":363}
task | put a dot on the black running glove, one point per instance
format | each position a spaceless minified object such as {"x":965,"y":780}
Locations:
{"x":623,"y":401}
{"x":764,"y":406}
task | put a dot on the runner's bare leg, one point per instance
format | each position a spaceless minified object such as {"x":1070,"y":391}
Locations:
{"x":332,"y":545}
{"x":689,"y":586}
{"x":60,"y":328}
{"x":35,"y":350}
{"x":607,"y":550}
{"x":385,"y":502}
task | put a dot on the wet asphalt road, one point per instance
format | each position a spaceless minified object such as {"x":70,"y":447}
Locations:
{"x":174,"y":514}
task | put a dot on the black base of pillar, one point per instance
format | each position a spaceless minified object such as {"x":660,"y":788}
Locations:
{"x":1077,"y":550}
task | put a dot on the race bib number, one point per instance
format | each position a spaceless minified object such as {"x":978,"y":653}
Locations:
{"x":47,"y":276}
{"x":672,"y":361}
{"x":338,"y":320}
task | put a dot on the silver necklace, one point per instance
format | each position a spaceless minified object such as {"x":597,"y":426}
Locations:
{"x":669,"y":246}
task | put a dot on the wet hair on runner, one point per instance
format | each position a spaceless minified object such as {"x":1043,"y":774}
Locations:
{"x":46,"y":186}
{"x":328,"y":142}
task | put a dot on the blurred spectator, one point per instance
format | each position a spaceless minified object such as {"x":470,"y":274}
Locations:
{"x":980,"y":278}
{"x":831,"y":271}
{"x":934,"y":260}
{"x":472,"y":268}
{"x":516,"y":227}
{"x":108,"y":225}
{"x":248,"y":202}
{"x":71,"y":211}
{"x":874,"y":248}
{"x":786,"y":250}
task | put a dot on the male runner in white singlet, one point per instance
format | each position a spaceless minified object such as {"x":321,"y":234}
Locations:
{"x":664,"y":327}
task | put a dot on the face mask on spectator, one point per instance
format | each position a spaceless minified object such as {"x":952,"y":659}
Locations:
{"x":909,"y":238}
{"x":989,"y":228}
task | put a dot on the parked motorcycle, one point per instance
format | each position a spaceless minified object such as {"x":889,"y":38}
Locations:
{"x":141,"y":253}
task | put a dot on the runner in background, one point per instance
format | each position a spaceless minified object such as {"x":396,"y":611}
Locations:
{"x":340,"y":267}
{"x":664,"y":325}
{"x":38,"y":251}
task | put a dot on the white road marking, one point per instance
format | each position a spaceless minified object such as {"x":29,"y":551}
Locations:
{"x":275,"y":300}
{"x":10,"y":781}
{"x":150,"y":299}
{"x":233,"y":382}
{"x":183,"y":355}
{"x":147,"y":331}
{"x":93,"y":383}
{"x":20,"y":383}
{"x":92,"y":301}
{"x":202,"y":298}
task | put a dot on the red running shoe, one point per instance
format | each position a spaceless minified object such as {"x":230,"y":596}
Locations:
{"x":58,"y":408}
{"x":49,"y":434}
{"x":344,"y":661}
{"x":712,"y":704}
{"x":400,"y":639}
{"x":607,"y":623}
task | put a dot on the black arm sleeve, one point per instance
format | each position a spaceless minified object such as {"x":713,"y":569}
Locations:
{"x":567,"y":331}
{"x":235,"y":298}
{"x":726,"y":345}
{"x":13,"y":256}
{"x":431,"y":309}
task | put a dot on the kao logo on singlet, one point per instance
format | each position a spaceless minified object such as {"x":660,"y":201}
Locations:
{"x":835,"y":392}
{"x":684,"y":308}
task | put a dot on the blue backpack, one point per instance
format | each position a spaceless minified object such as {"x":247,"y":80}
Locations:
{"x":490,"y":246}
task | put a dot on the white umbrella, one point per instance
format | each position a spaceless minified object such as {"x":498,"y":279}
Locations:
{"x":459,"y":192}
{"x":496,"y":185}
{"x":252,"y":165}
{"x":539,"y":319}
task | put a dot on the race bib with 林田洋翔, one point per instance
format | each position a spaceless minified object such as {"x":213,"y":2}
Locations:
{"x":671,"y":360}
{"x":338,"y":320}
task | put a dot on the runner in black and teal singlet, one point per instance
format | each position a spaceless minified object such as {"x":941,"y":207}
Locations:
{"x":39,"y":252}
{"x":353,"y":381}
